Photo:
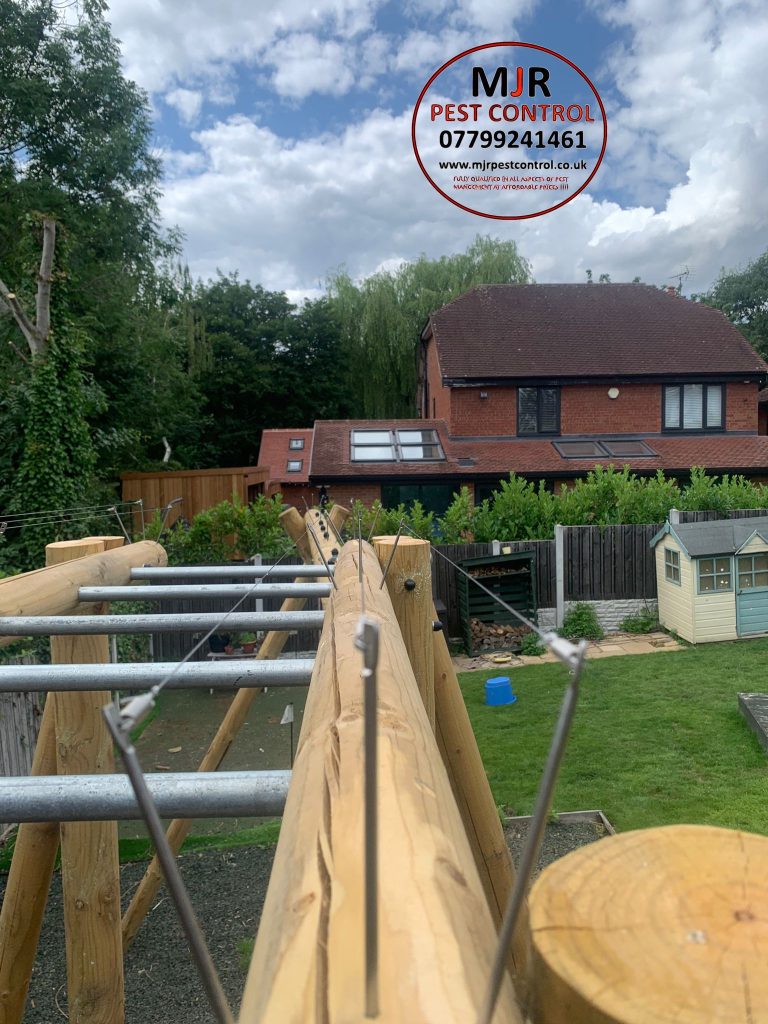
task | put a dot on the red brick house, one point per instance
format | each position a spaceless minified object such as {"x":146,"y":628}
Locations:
{"x":286,"y":455}
{"x":550,"y":381}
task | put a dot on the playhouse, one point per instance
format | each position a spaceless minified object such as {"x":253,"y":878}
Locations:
{"x":713,"y":578}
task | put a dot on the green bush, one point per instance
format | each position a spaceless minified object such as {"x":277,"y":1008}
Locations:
{"x":580,"y":623}
{"x":644,"y":622}
{"x":531,"y":645}
{"x":386,"y":521}
{"x":228,"y":531}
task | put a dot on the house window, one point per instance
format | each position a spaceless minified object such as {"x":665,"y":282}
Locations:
{"x":714,"y":574}
{"x":296,"y":444}
{"x":672,"y":565}
{"x":693,"y":407}
{"x":396,"y":446}
{"x":601,"y":449}
{"x":538,"y":410}
{"x":753,"y":571}
{"x":294,"y":465}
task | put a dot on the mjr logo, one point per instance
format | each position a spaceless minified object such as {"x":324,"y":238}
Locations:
{"x":537,"y":79}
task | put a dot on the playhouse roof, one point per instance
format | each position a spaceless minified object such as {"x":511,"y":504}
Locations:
{"x":721,"y":537}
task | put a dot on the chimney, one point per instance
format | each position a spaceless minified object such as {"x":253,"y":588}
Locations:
{"x":670,"y":289}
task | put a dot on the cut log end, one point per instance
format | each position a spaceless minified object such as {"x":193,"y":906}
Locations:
{"x":662,"y":925}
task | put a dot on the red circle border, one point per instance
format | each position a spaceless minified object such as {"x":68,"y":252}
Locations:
{"x":501,"y":216}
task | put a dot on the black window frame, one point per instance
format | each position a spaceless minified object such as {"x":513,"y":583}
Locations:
{"x":680,"y":429}
{"x":296,"y":444}
{"x":538,"y":432}
{"x":298,"y":463}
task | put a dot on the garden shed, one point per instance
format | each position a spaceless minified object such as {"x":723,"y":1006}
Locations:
{"x":712,"y":578}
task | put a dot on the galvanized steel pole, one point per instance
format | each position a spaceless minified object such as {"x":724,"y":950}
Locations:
{"x":89,"y":625}
{"x":218,"y":572}
{"x":204,"y":591}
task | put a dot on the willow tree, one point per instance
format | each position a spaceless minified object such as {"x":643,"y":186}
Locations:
{"x":382,"y":317}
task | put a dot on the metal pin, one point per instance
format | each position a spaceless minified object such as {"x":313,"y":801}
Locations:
{"x":373,"y":524}
{"x":313,"y":535}
{"x":167,"y":511}
{"x":120,"y":724}
{"x":360,"y":561}
{"x":143,"y":523}
{"x":367,"y":641}
{"x":535,"y":835}
{"x":122,"y":524}
{"x":332,"y":525}
{"x":392,"y":553}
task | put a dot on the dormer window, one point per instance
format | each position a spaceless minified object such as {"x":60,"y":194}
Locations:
{"x":296,"y":444}
{"x":294,"y":465}
{"x":538,"y":410}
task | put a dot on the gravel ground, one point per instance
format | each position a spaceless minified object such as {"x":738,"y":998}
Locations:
{"x":227,"y":889}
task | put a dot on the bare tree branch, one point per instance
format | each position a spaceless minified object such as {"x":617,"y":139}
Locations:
{"x":44,"y":281}
{"x":21,"y":318}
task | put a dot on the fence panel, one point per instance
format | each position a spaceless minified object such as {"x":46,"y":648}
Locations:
{"x":605,"y":563}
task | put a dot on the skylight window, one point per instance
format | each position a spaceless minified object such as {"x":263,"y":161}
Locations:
{"x":296,"y":444}
{"x":615,"y":449}
{"x":395,"y":446}
{"x":294,"y":465}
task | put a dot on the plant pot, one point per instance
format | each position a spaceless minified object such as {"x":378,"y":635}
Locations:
{"x":217,"y":642}
{"x":229,"y":649}
{"x":249,"y":648}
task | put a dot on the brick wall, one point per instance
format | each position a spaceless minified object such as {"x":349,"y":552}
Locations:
{"x":439,"y":397}
{"x":587,"y":409}
{"x":346,"y":493}
{"x":472,"y":415}
{"x":741,"y":407}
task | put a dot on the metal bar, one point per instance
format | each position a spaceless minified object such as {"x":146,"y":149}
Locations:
{"x":111,"y":797}
{"x":98,"y":625}
{"x":235,"y":674}
{"x":191,"y":592}
{"x":313,"y":535}
{"x":530,"y":853}
{"x":119,"y":726}
{"x":367,"y":640}
{"x":218,"y":572}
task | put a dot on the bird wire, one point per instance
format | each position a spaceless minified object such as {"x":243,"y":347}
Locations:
{"x":11,"y":517}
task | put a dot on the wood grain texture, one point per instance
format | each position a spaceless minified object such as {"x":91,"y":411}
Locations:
{"x":90,"y":863}
{"x":653,"y":927}
{"x":409,"y":582}
{"x":469,"y":782}
{"x":436,"y":935}
{"x":233,"y":720}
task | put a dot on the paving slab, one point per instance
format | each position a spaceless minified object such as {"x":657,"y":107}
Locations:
{"x":754,"y":707}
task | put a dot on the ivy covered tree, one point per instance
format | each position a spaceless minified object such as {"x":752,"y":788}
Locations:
{"x":383,"y":315}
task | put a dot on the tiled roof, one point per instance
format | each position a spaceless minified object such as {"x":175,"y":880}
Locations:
{"x":716,"y":452}
{"x":275,"y":453}
{"x":582,"y":330}
{"x":721,"y":537}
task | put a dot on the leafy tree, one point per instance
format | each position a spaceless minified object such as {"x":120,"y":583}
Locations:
{"x":742,"y":295}
{"x":382,"y":318}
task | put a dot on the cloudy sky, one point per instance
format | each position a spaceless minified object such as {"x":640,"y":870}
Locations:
{"x":285,"y":132}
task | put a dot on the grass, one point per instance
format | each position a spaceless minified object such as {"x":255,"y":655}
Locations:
{"x":142,"y":849}
{"x":657,"y":739}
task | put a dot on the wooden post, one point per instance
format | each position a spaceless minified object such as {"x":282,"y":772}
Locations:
{"x":273,"y":644}
{"x":559,"y":574}
{"x":665,"y":924}
{"x":409,"y":582}
{"x":49,"y":591}
{"x":458,"y":746}
{"x":436,"y":935}
{"x":90,"y":862}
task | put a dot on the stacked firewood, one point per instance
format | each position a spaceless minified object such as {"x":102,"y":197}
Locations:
{"x":490,"y":635}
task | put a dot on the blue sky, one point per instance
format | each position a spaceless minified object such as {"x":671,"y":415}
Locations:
{"x":285,"y":133}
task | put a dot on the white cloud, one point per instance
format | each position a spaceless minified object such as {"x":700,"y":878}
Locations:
{"x":187,"y":102}
{"x":303,"y":64}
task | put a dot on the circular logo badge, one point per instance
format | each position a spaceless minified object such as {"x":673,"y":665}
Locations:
{"x":509,"y":130}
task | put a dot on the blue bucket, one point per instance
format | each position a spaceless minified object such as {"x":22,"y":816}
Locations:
{"x":498,"y":691}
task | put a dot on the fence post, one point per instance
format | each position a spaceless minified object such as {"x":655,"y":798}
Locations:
{"x":90,"y":863}
{"x":559,"y":574}
{"x":409,"y":582}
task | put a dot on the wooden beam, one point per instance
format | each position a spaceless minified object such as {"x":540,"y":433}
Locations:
{"x":90,"y":862}
{"x":661,"y":925}
{"x":49,"y":591}
{"x":436,"y":935}
{"x":469,"y":782}
{"x":238,"y":711}
{"x":409,"y":582}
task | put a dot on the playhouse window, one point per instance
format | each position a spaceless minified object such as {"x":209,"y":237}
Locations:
{"x":753,"y":571}
{"x":714,"y":574}
{"x":672,"y":565}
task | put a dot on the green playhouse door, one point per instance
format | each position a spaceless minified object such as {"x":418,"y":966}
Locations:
{"x":752,"y":594}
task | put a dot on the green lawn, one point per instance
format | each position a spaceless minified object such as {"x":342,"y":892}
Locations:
{"x":657,"y":739}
